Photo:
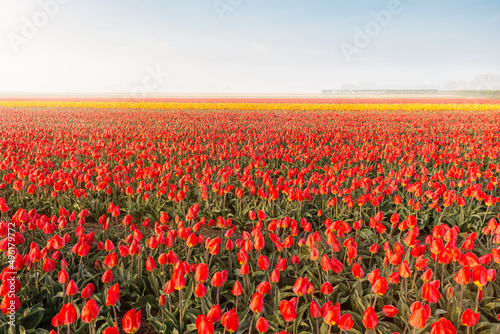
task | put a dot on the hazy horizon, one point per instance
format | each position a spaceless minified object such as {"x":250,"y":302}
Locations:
{"x":150,"y":47}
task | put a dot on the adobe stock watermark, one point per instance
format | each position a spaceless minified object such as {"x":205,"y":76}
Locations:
{"x":225,"y":6}
{"x":31,"y":25}
{"x":364,"y":36}
{"x":11,"y":280}
{"x":150,"y":82}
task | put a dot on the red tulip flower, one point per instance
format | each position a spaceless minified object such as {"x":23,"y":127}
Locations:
{"x":288,"y":311}
{"x":178,"y":280}
{"x":107,"y":276}
{"x":150,"y":264}
{"x":113,"y":295}
{"x":370,"y":320}
{"x":200,"y":291}
{"x":419,"y":315}
{"x":462,"y":276}
{"x":90,"y":311}
{"x":237,"y":289}
{"x":201,"y":273}
{"x":315,"y":310}
{"x":470,"y":318}
{"x":217,"y":280}
{"x":480,"y":276}
{"x":263,"y":263}
{"x":63,"y":277}
{"x":203,"y":325}
{"x":357,"y":271}
{"x":71,"y":288}
{"x":214,"y":314}
{"x":230,"y":321}
{"x":380,"y":286}
{"x":10,"y":303}
{"x":300,"y":286}
{"x":390,"y":311}
{"x":443,"y":326}
{"x":331,"y":313}
{"x":263,"y":288}
{"x":257,"y":303}
{"x":131,"y":321}
{"x":430,"y":292}
{"x":262,"y":325}
{"x":112,"y":330}
{"x":67,"y":315}
{"x":345,"y":322}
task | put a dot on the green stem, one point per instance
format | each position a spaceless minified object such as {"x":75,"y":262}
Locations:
{"x":180,"y":311}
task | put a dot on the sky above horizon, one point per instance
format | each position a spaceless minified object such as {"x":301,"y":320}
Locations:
{"x":143,"y":47}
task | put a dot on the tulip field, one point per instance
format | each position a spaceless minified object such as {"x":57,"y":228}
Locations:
{"x":249,"y":216}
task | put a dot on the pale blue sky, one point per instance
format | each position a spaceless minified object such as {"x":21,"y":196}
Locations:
{"x":254,"y":46}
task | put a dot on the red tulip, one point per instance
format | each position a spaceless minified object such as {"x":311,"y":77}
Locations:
{"x":462,"y":276}
{"x":67,"y":315}
{"x":230,"y":321}
{"x":263,"y":263}
{"x":48,"y":265}
{"x":419,"y":315}
{"x":443,"y":326}
{"x":256,"y":303}
{"x":107,"y":276}
{"x":390,"y":311}
{"x":237,"y":289}
{"x":300,"y":286}
{"x":370,"y":320}
{"x":404,"y":269}
{"x":288,"y":311}
{"x":71,"y":288}
{"x":113,"y":295}
{"x":203,"y":325}
{"x":430,"y":292}
{"x":201,"y":273}
{"x":131,"y":321}
{"x":326,"y":288}
{"x":491,"y":275}
{"x":200,"y":291}
{"x":380,"y":286}
{"x":178,"y":280}
{"x":150,"y":264}
{"x":63,"y":277}
{"x":282,"y":265}
{"x":479,"y":276}
{"x":345,"y":322}
{"x":470,"y":318}
{"x":214,"y":314}
{"x":262,"y":325}
{"x":112,"y":330}
{"x":357,"y":271}
{"x":217,"y":279}
{"x":331,"y":313}
{"x":90,"y":311}
{"x":315,"y":310}
{"x":87,"y":291}
{"x":10,"y":304}
{"x":162,"y":301}
{"x":275,"y":276}
{"x":427,"y":275}
{"x":263,"y":288}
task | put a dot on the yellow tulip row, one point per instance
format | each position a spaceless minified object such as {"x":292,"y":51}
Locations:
{"x":383,"y":107}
